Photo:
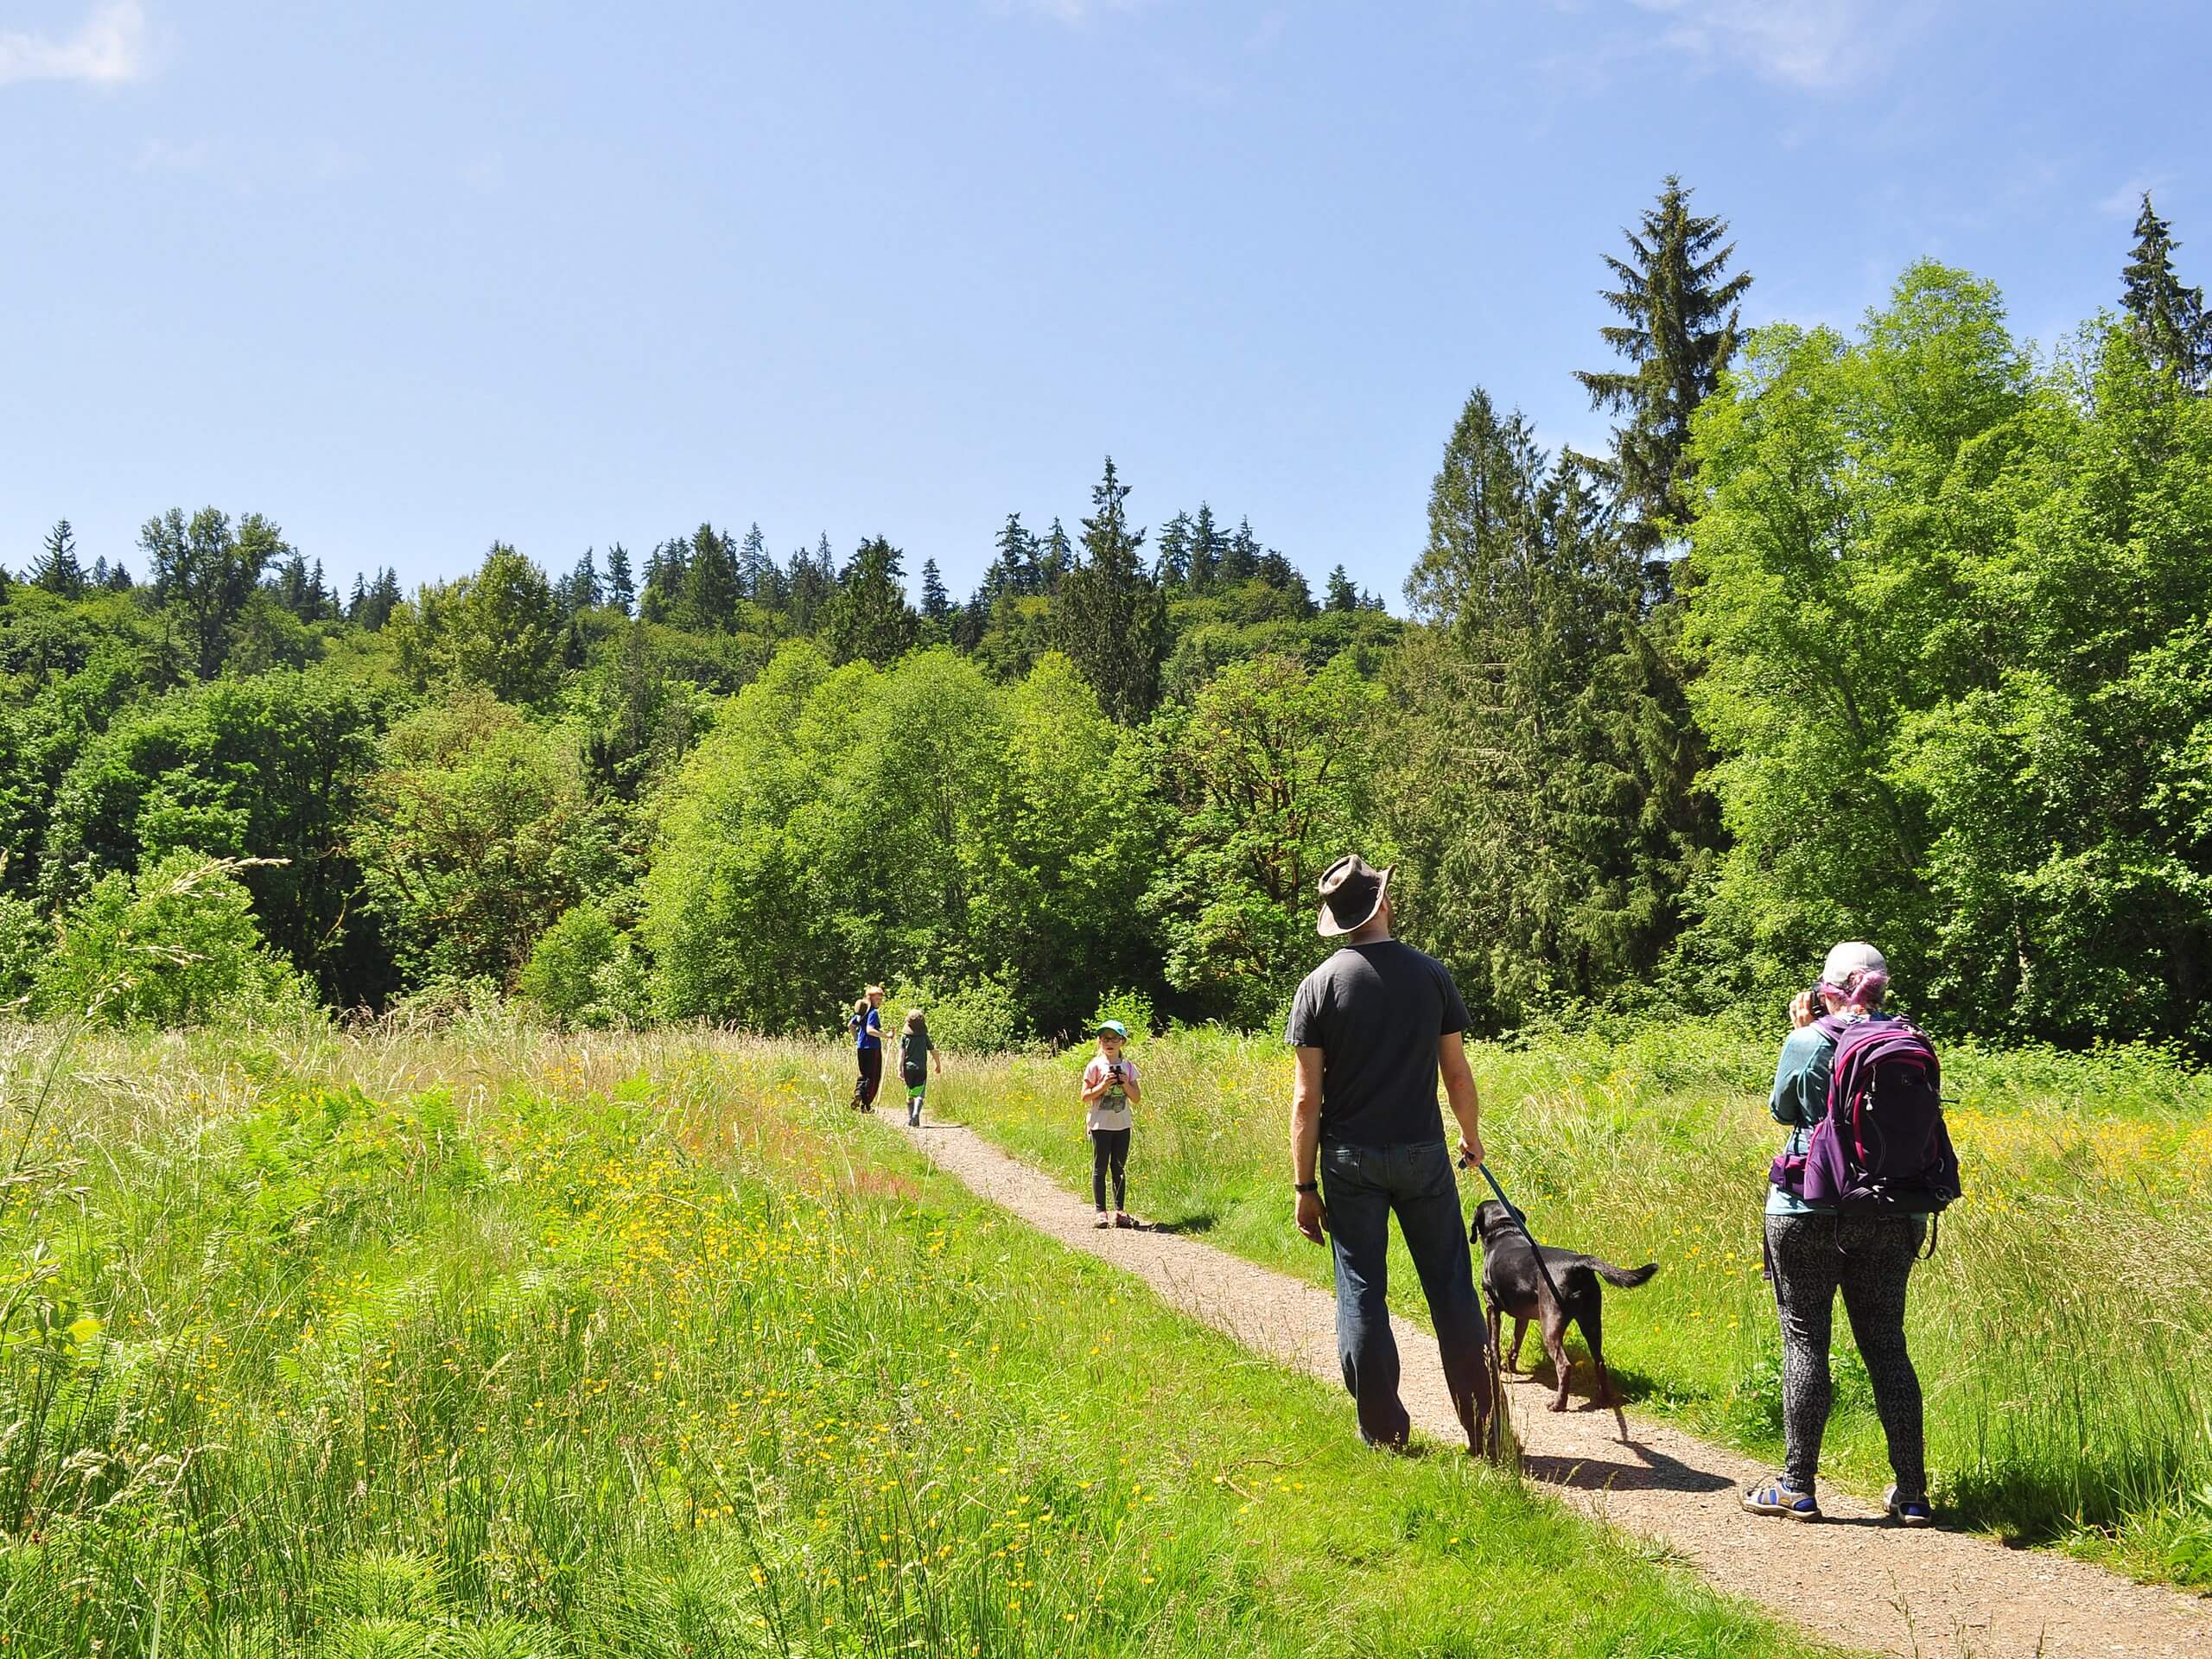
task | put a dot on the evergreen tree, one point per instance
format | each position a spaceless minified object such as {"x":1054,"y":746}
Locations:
{"x":326,"y":595}
{"x":1341,"y":595}
{"x":1016,"y":563}
{"x":117,"y":578}
{"x":380,"y":600}
{"x":1531,"y":785}
{"x":579,"y":589}
{"x":813,"y":581}
{"x":867,"y":616}
{"x":1208,"y":547}
{"x":621,"y":587}
{"x":1171,"y":564}
{"x":665,"y":569}
{"x":2168,"y":320}
{"x":756,"y":570}
{"x":295,"y":589}
{"x":1055,"y":557}
{"x":711,"y":590}
{"x":358,"y":602}
{"x":937,"y":604}
{"x":1680,"y":309}
{"x":1110,"y":619}
{"x":1241,"y":561}
{"x":57,"y":569}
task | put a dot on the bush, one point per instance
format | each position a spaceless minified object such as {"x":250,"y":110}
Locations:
{"x":584,"y":973}
{"x":559,"y":975}
{"x":984,"y":1017}
{"x":173,"y":945}
{"x":1131,"y":1008}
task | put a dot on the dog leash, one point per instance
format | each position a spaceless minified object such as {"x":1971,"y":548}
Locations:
{"x":1520,"y":1221}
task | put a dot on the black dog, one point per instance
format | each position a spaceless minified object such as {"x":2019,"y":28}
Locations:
{"x":1512,"y":1284}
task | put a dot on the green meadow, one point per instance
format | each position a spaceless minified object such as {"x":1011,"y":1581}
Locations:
{"x":2063,"y":1332}
{"x":487,"y":1343}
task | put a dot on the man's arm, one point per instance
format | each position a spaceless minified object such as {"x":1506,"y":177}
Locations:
{"x":1459,"y":1090}
{"x":1306,"y":1142}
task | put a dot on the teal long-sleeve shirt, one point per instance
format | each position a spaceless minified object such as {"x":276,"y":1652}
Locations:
{"x":1799,"y":1099}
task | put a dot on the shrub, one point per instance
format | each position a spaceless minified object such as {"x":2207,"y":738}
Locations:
{"x":584,"y":973}
{"x":982,"y":1017}
{"x":1131,"y":1008}
{"x":559,"y":977}
{"x":173,"y":945}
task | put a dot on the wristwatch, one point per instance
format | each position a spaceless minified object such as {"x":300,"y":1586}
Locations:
{"x":1305,"y":1186}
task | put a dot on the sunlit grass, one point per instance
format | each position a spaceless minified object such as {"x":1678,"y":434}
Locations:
{"x":483,"y":1342}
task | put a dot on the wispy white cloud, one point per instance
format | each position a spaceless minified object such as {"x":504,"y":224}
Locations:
{"x":1817,"y":44}
{"x":109,"y":47}
{"x":2123,"y":201}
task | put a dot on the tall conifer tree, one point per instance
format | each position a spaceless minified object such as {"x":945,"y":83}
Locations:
{"x":2167,"y":320}
{"x":1208,"y":547}
{"x":57,"y":569}
{"x":1678,"y":308}
{"x":1110,"y":619}
{"x":937,"y":604}
{"x":621,"y":586}
{"x":710,"y":582}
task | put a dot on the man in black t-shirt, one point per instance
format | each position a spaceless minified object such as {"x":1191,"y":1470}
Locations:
{"x":1374,"y":1026}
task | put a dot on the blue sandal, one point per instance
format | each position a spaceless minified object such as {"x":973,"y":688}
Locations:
{"x":1779,"y":1497}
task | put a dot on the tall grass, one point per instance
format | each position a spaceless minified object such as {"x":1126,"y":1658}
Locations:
{"x":2063,"y":1331}
{"x":487,"y":1344}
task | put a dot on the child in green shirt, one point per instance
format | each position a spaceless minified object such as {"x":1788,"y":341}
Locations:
{"x":915,"y":1053}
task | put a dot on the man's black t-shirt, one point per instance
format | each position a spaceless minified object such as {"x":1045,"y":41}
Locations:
{"x":1376,"y":1012}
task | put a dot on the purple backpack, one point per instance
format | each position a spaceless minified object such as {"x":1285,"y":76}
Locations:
{"x":1882,"y":1146}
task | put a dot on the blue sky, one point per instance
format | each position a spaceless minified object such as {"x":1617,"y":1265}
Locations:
{"x":408,"y":277}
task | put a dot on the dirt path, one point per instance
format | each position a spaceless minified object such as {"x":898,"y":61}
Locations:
{"x":1853,"y":1578}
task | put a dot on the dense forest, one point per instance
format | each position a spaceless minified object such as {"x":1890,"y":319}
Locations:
{"x":1904,"y":633}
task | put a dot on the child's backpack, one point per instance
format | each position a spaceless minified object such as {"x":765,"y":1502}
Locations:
{"x":1882,"y":1146}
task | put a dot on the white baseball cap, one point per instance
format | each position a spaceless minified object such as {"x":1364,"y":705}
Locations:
{"x":1851,"y":957}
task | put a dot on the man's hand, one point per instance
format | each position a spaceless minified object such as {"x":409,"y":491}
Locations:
{"x":1312,"y":1216}
{"x":1470,"y":1150}
{"x":1802,"y":1012}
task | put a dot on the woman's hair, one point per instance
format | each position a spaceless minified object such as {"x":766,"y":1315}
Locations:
{"x":913,"y":1019}
{"x":1863,"y":989}
{"x":860,"y":1006}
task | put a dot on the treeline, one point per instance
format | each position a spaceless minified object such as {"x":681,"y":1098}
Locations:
{"x":1903,"y":633}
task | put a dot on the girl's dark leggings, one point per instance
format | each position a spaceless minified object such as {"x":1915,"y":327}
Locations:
{"x":1109,"y":1149}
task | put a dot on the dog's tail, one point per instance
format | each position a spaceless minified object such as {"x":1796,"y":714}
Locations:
{"x":1626,"y":1278}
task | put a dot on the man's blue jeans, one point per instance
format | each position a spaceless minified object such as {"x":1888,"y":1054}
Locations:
{"x":1361,"y":1185}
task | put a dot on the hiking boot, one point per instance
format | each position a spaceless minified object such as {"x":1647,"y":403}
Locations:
{"x":913,"y":1116}
{"x":1778,"y":1496}
{"x":1104,"y":1220}
{"x":1123,"y":1219}
{"x":1912,"y":1512}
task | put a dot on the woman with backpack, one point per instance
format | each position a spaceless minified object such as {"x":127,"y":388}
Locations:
{"x":1834,"y":1224}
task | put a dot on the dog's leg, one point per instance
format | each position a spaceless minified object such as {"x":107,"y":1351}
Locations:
{"x":1520,"y":1332}
{"x":1552,"y":1326}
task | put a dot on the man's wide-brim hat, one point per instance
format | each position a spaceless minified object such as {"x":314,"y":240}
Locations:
{"x":1352,"y":891}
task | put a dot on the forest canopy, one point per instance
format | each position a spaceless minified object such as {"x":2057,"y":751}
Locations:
{"x":1902,"y":631}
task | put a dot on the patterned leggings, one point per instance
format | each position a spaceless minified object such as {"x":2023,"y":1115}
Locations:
{"x":1868,"y":1258}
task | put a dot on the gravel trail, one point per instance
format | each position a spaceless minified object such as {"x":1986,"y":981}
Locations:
{"x":1852,"y":1579}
